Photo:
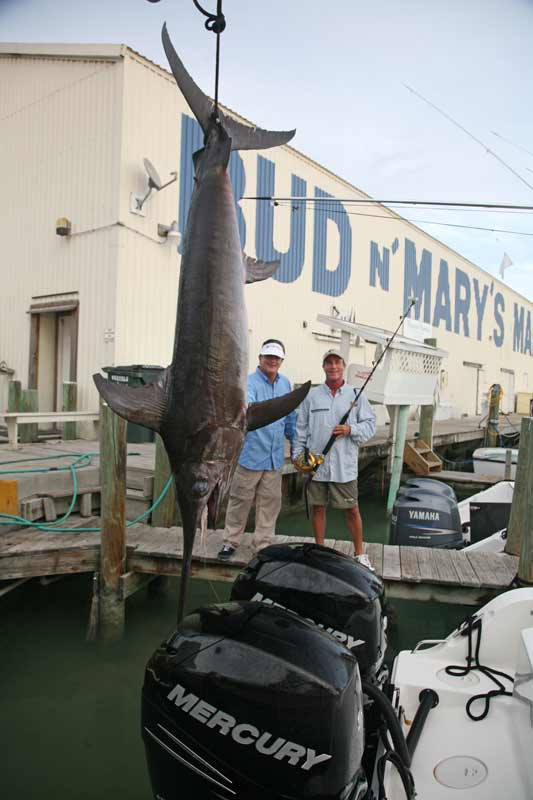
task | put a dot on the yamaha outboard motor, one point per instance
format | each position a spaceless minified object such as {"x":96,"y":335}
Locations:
{"x":424,"y":519}
{"x":248,"y":701}
{"x":329,"y":588}
{"x":428,"y":485}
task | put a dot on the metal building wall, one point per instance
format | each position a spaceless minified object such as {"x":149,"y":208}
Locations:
{"x":60,"y":133}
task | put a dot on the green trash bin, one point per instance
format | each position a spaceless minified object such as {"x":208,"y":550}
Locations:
{"x":135,"y":375}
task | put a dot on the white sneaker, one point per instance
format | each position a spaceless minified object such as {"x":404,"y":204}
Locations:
{"x":365,"y":561}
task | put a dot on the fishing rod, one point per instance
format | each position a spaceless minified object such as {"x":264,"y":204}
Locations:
{"x":309,"y":462}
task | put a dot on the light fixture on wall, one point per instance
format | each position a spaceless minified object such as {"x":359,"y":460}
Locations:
{"x":169,"y":231}
{"x":63,"y":226}
{"x":154,"y":183}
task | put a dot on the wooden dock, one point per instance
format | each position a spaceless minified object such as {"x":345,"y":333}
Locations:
{"x":416,"y":573}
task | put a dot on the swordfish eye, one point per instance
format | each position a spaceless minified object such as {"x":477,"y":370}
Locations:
{"x":200,"y":487}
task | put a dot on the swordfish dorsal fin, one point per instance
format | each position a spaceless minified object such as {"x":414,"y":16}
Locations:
{"x":243,"y":137}
{"x":257,"y":270}
{"x":144,"y":405}
{"x":260,"y":414}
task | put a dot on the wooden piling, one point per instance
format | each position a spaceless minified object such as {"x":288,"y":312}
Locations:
{"x":398,"y":445}
{"x":508,"y":464}
{"x":29,"y":402}
{"x":166,"y":513}
{"x":525,"y":564}
{"x":14,"y":397}
{"x":113,"y":519}
{"x":518,"y":518}
{"x":491,"y":431}
{"x":70,"y":403}
{"x":427,"y":412}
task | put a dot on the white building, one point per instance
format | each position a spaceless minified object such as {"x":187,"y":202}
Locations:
{"x":76,"y":123}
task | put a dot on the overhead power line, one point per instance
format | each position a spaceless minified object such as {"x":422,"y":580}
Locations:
{"x":284,"y":204}
{"x":370,"y":200}
{"x":471,"y":135}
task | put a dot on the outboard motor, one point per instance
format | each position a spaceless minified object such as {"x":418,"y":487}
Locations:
{"x":248,"y":701}
{"x":428,"y":485}
{"x":424,"y":519}
{"x":331,"y":589}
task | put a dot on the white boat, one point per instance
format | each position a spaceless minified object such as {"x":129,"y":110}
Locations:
{"x":486,"y":512}
{"x":476,"y":742}
{"x":491,"y":461}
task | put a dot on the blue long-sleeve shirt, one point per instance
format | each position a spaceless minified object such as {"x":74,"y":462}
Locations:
{"x":264,"y":448}
{"x":319,"y":413}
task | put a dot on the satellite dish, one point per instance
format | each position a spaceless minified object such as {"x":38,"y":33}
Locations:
{"x":154,"y":181}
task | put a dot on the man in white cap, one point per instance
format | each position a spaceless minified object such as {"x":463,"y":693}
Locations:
{"x":335,"y":481}
{"x":258,"y":473}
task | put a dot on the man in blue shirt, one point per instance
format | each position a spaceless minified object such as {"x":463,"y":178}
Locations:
{"x":258,"y":473}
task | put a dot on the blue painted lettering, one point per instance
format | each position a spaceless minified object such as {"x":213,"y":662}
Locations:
{"x":442,"y":309}
{"x":292,"y":261}
{"x":379,"y":266}
{"x":417,"y":280}
{"x":332,"y":282}
{"x":518,"y":329}
{"x":527,"y":338}
{"x":481,"y":303}
{"x":499,"y":307}
{"x":462,"y":301}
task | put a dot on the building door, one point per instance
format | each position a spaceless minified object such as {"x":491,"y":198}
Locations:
{"x":474,"y":371}
{"x":507,"y":381}
{"x":53,"y":350}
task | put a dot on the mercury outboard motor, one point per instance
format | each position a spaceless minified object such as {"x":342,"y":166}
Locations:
{"x":424,"y":519}
{"x":331,"y":589}
{"x":248,"y":701}
{"x":428,"y":485}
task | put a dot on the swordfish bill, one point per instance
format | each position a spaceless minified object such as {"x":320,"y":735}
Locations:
{"x":198,"y":405}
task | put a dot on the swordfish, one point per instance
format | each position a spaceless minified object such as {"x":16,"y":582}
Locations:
{"x":198,"y":405}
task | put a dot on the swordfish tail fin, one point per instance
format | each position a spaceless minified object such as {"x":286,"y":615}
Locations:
{"x":144,"y":405}
{"x":243,"y":137}
{"x":260,"y":414}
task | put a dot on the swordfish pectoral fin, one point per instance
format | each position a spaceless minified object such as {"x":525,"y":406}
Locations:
{"x":144,"y":405}
{"x":260,"y":414}
{"x":259,"y":270}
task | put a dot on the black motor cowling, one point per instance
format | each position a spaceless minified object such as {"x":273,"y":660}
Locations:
{"x":329,"y":588}
{"x":248,"y":701}
{"x":425,"y":519}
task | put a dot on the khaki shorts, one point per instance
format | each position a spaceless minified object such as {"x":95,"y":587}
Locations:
{"x":337,"y":495}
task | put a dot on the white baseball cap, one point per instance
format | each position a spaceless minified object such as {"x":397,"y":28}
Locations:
{"x":272,"y":349}
{"x":332,"y":352}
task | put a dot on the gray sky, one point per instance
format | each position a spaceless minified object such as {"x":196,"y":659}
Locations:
{"x":336,"y":71}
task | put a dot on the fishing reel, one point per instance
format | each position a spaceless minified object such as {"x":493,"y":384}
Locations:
{"x":308,"y":462}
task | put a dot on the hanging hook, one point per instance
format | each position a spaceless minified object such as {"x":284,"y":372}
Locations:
{"x":214,"y":22}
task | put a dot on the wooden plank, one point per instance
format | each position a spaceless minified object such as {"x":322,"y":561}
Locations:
{"x":374,"y":551}
{"x":465,"y":574}
{"x":131,"y":582}
{"x":482,"y":564}
{"x":409,"y":564}
{"x":428,"y":571}
{"x":391,"y":563}
{"x":444,"y":565}
{"x":343,"y":546}
{"x":9,"y":503}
